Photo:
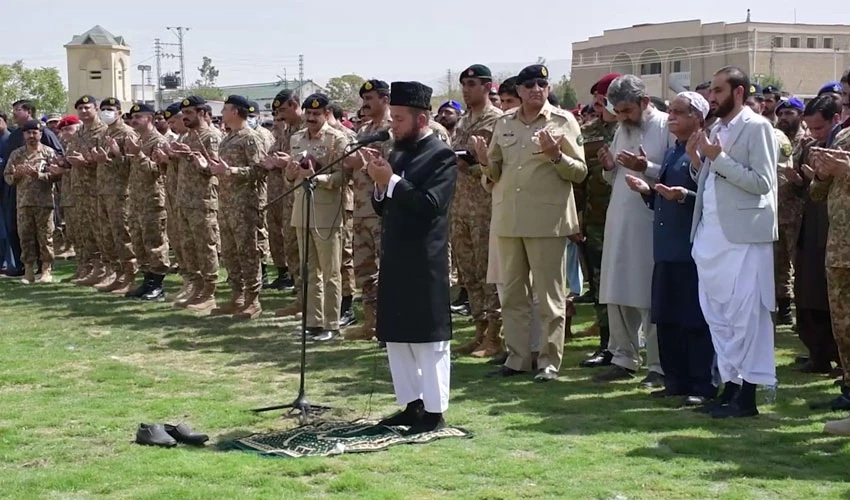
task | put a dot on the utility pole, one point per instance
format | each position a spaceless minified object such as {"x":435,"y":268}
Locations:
{"x":449,"y":89}
{"x":285,"y":81}
{"x":300,"y":72}
{"x":158,"y":92}
{"x":179,"y":31}
{"x":144,"y":69}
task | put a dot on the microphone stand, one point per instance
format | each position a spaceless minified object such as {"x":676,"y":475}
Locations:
{"x":301,"y":406}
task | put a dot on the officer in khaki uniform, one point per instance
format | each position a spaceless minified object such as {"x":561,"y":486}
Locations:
{"x":534,"y":158}
{"x":313,"y":148}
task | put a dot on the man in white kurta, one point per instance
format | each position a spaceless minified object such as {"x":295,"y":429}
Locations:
{"x":625,"y":281}
{"x":734,"y":229}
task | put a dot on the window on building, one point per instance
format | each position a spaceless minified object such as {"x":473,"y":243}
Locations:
{"x":736,"y":43}
{"x":94,"y":75}
{"x":677,"y":67}
{"x":811,"y":43}
{"x":795,"y":42}
{"x":712,"y":45}
{"x":580,"y":59}
{"x":651,"y":68}
{"x":827,"y":42}
{"x":596,"y":58}
{"x":777,"y":42}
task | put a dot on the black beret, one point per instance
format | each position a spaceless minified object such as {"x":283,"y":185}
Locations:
{"x":771,"y":89}
{"x":110,"y":101}
{"x":192,"y":101}
{"x":477,"y":71}
{"x":86,"y":99}
{"x":253,"y":108}
{"x":553,"y":99}
{"x":141,"y":108}
{"x":171,"y":110}
{"x":316,"y":101}
{"x":238,"y":101}
{"x":410,"y":94}
{"x":755,"y":90}
{"x":283,"y":97}
{"x":532,"y":72}
{"x":31,"y":125}
{"x":370,"y":85}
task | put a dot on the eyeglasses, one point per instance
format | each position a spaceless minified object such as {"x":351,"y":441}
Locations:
{"x":540,"y":82}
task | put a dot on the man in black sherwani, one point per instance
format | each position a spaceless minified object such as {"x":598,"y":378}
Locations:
{"x":413,"y":194}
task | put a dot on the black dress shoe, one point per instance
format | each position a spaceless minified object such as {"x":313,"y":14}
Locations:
{"x":613,"y":374}
{"x":325,"y":335}
{"x":504,"y":372}
{"x":347,"y":319}
{"x":409,"y":416}
{"x":692,"y":401}
{"x":599,"y":358}
{"x":154,"y":435}
{"x":586,"y":298}
{"x":499,"y":360}
{"x":546,"y":376}
{"x":809,"y":367}
{"x":184,"y":434}
{"x":652,"y":381}
{"x":801,"y":359}
{"x":156,"y":294}
{"x":461,"y":309}
{"x":428,"y":422}
{"x":664,"y":393}
{"x":311,"y":331}
{"x":734,"y":410}
{"x":841,"y":403}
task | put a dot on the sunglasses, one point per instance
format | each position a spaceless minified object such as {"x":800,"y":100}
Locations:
{"x":540,"y":82}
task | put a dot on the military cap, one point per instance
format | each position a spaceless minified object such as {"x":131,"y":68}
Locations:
{"x":532,"y":72}
{"x":159,"y":112}
{"x":477,"y":71}
{"x":553,"y":99}
{"x":830,"y":88}
{"x":601,"y":87}
{"x":253,"y":108}
{"x":791,"y":103}
{"x":239,"y":102}
{"x":755,"y":90}
{"x":374,"y":85}
{"x":171,"y":110}
{"x":316,"y":101}
{"x":110,"y":101}
{"x":53,"y":117}
{"x":142,"y":108}
{"x":86,"y":99}
{"x":771,"y":89}
{"x":282,"y":98}
{"x":451,"y":104}
{"x":68,"y":120}
{"x":193,"y":101}
{"x":31,"y":125}
{"x":411,"y":94}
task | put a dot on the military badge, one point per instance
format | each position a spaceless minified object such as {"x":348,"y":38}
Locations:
{"x":276,"y":103}
{"x":787,"y":150}
{"x":315,"y":103}
{"x":368,"y":86}
{"x":580,"y":140}
{"x":85,"y":100}
{"x":544,"y":72}
{"x":185,"y":102}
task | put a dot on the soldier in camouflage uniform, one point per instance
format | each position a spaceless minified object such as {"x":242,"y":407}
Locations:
{"x":242,"y":194}
{"x":81,"y":167}
{"x":147,"y":203}
{"x":197,"y":190}
{"x":790,"y":203}
{"x":471,"y":212}
{"x":68,"y":128}
{"x":597,"y":135}
{"x":27,"y":169}
{"x":275,"y":222}
{"x":268,"y":139}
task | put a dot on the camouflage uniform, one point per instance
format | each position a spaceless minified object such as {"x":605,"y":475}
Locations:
{"x":596,"y":193}
{"x":84,"y":186}
{"x":790,"y":207}
{"x":348,"y":275}
{"x":147,"y":207}
{"x":470,"y":223}
{"x":268,"y":140}
{"x":113,"y":203}
{"x":242,"y":194}
{"x":837,"y":194}
{"x":172,"y":223}
{"x":275,"y":221}
{"x":66,"y":204}
{"x":34,"y":203}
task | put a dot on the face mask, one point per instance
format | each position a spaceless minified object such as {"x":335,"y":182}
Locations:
{"x":108,"y":117}
{"x":252,"y":122}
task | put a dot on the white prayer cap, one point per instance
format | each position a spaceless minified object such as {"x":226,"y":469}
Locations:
{"x":697,"y":101}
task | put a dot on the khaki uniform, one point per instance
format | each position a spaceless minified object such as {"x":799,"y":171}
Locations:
{"x":172,"y":225}
{"x":470,"y":218}
{"x":348,"y":275}
{"x":275,"y":222}
{"x":147,"y":207}
{"x":66,"y":206}
{"x":197,"y":202}
{"x":323,"y":231}
{"x":533,"y":213}
{"x":34,"y":203}
{"x":84,"y":188}
{"x":837,"y":194}
{"x":113,"y":200}
{"x":790,"y":214}
{"x":242,"y":193}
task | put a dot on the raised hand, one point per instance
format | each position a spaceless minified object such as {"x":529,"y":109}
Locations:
{"x":634,"y":162}
{"x":712,"y":151}
{"x":692,"y":148}
{"x":606,"y":158}
{"x":671,"y":193}
{"x":479,"y":145}
{"x":550,"y":145}
{"x":638,"y":185}
{"x":131,"y":145}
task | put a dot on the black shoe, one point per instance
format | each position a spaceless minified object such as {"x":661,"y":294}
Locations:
{"x":734,"y":410}
{"x":498,"y":360}
{"x":142,"y":289}
{"x":154,"y":435}
{"x":653,"y":380}
{"x":288,"y":283}
{"x":155,"y":291}
{"x":730,"y":392}
{"x":428,"y":422}
{"x":587,"y":298}
{"x":182,"y":433}
{"x":504,"y":372}
{"x":598,"y":358}
{"x":312,"y":331}
{"x":664,"y":393}
{"x":614,"y":373}
{"x":347,"y":319}
{"x":809,"y":367}
{"x":692,"y":401}
{"x":461,"y":309}
{"x":14,"y":273}
{"x":410,"y":416}
{"x":545,"y":376}
{"x":462,"y":297}
{"x":841,"y":403}
{"x":801,"y":359}
{"x":325,"y":335}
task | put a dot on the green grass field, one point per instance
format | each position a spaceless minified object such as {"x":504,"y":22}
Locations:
{"x":79,"y":370}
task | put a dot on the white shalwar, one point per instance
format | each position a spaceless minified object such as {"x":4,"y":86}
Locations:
{"x":421,"y":371}
{"x":736,"y":294}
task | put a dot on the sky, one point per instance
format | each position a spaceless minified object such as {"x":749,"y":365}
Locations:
{"x":390,"y":40}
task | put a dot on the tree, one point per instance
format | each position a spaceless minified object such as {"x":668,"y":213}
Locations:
{"x":41,"y":85}
{"x":566,"y":93}
{"x":209,"y":73}
{"x":205,"y":86}
{"x":765,"y":80}
{"x":345,"y":91}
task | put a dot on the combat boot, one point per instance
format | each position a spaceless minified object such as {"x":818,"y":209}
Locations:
{"x":154,"y":290}
{"x":492,"y":344}
{"x":185,"y":289}
{"x":94,"y":276}
{"x":29,"y":274}
{"x":233,"y":306}
{"x":192,"y":290}
{"x":474,"y":344}
{"x":367,"y":331}
{"x":46,"y":274}
{"x":252,"y":308}
{"x":81,"y":271}
{"x":203,"y":301}
{"x":106,"y":281}
{"x":143,"y":289}
{"x":293,"y":309}
{"x":126,"y":281}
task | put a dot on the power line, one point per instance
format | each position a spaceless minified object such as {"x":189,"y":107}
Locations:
{"x":179,"y":31}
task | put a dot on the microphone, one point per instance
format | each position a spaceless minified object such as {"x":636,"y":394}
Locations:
{"x":382,"y":136}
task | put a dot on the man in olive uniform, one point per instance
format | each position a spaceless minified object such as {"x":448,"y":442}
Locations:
{"x":113,"y":176}
{"x":317,"y":146}
{"x":197,"y":190}
{"x":147,"y":203}
{"x":534,"y":212}
{"x":276,"y":223}
{"x":471,"y":212}
{"x":255,"y":124}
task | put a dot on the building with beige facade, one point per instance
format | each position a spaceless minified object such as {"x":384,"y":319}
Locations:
{"x":677,"y":56}
{"x":98,"y":65}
